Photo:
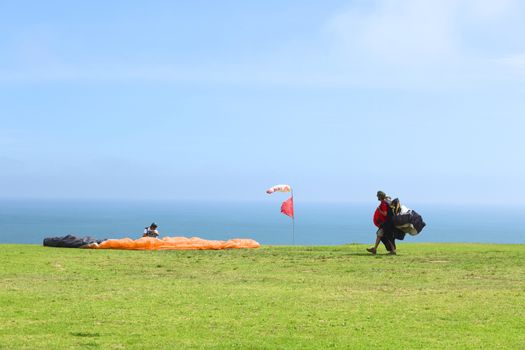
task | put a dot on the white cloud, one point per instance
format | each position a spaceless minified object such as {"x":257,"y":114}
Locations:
{"x":417,"y":32}
{"x":445,"y":42}
{"x":398,"y":32}
{"x":492,"y":10}
{"x":515,"y":61}
{"x":389,"y":44}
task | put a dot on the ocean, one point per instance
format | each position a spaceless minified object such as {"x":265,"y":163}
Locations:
{"x":30,"y":221}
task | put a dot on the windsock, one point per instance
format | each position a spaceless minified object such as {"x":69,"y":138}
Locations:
{"x":279,"y":188}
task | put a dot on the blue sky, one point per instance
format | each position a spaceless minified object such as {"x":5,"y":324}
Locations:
{"x":210,"y":100}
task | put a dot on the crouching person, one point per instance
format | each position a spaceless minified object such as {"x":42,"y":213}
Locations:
{"x":151,"y":231}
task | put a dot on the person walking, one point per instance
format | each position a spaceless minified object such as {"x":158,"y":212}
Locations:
{"x":383,"y":221}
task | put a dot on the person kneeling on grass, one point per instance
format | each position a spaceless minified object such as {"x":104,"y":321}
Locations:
{"x":383,"y":220}
{"x":151,"y":231}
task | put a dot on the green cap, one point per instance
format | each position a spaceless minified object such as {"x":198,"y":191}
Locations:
{"x":381,"y":195}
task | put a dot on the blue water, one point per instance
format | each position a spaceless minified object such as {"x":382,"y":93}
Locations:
{"x":24,"y":221}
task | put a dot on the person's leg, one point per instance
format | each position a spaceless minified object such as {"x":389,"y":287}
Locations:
{"x":393,"y":251}
{"x":387,"y":243}
{"x":393,"y":240}
{"x":378,"y":239}
{"x":373,"y":249}
{"x":388,"y":236}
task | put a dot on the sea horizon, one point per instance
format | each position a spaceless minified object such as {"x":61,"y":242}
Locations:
{"x":29,"y":221}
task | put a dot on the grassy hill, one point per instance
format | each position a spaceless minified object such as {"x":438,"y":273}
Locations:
{"x":430,"y":296}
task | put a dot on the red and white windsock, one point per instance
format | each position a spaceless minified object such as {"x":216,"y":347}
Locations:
{"x":279,"y":188}
{"x":287,"y":206}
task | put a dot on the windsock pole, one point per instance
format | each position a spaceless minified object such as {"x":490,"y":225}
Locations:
{"x":293,"y":221}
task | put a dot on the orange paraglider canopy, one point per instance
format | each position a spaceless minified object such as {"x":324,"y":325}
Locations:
{"x":173,"y":243}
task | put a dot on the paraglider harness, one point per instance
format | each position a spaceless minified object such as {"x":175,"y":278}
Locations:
{"x":395,"y":209}
{"x":402,"y":217}
{"x":395,"y":206}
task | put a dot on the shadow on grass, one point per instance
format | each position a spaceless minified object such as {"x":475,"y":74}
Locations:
{"x":84,"y":334}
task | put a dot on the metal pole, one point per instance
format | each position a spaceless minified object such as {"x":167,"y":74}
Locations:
{"x":293,"y":231}
{"x":293,"y":221}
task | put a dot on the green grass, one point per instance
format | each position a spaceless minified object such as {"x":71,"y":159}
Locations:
{"x":431,"y":296}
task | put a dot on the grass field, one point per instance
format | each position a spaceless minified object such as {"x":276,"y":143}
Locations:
{"x":430,"y":296}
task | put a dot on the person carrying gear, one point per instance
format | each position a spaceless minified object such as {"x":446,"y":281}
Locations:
{"x":383,"y":220}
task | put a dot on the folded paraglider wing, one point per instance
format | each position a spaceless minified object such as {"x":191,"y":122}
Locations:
{"x":70,"y":241}
{"x":150,"y":243}
{"x":175,"y":243}
{"x":410,"y":218}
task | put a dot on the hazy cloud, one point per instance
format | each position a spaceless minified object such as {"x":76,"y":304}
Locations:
{"x":386,"y":43}
{"x":516,"y":61}
{"x":400,"y":32}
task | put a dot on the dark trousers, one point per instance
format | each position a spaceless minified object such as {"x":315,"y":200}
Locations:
{"x":387,"y":243}
{"x":388,"y":239}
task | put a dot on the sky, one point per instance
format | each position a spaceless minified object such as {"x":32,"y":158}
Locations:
{"x":219,"y":100}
